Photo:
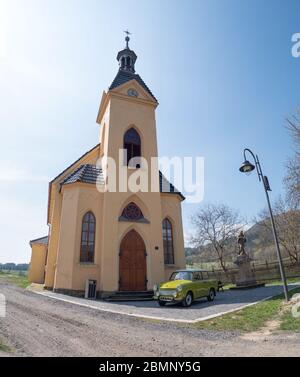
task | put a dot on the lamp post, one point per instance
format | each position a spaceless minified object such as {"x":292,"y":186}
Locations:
{"x":247,"y":167}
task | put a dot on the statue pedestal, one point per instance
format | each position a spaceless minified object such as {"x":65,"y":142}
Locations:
{"x":245,"y":278}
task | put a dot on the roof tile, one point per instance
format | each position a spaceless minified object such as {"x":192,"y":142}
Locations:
{"x":41,"y":240}
{"x":124,"y":76}
{"x":86,"y":173}
{"x":91,"y":174}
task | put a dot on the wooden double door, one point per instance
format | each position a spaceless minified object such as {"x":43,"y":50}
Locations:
{"x":133,"y":265}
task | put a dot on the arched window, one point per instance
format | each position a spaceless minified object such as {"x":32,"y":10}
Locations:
{"x":87,"y":249}
{"x":132,"y":212}
{"x":123,"y":62}
{"x":168,"y":241}
{"x":132,"y":144}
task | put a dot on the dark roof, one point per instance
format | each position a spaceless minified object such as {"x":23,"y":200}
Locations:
{"x":41,"y":240}
{"x":166,"y":186}
{"x":124,"y":76}
{"x":126,"y":51}
{"x":91,"y":174}
{"x":85,"y":173}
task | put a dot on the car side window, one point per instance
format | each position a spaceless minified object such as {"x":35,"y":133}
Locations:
{"x":197,"y":276}
{"x":205,"y":275}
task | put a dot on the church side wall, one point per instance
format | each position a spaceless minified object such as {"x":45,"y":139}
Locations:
{"x":55,"y":213}
{"x":36,"y":273}
{"x":67,"y":234}
{"x":171,"y":208}
{"x":89,"y":200}
{"x":53,"y":239}
{"x":71,"y":276}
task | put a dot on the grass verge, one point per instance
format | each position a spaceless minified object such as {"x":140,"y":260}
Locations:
{"x":288,"y":280}
{"x":18,"y":278}
{"x":288,"y":321}
{"x":4,"y":347}
{"x":254,"y":317}
{"x":269,"y":282}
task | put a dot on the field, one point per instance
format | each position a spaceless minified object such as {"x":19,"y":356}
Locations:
{"x":19,"y":278}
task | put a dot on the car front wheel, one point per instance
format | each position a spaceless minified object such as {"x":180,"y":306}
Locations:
{"x":161,"y":303}
{"x":187,"y":301}
{"x":211,"y":295}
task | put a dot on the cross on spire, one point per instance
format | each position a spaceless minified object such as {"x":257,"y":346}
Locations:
{"x":127,"y":39}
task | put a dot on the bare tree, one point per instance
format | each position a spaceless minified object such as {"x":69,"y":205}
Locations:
{"x":287,"y":219}
{"x":217,"y":227}
{"x":293,"y":125}
{"x":292,"y":177}
{"x":292,"y":180}
{"x":286,"y":211}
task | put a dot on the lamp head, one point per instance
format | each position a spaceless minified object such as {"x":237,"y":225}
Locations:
{"x":247,"y":167}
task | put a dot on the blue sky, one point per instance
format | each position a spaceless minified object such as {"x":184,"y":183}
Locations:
{"x":222,"y":71}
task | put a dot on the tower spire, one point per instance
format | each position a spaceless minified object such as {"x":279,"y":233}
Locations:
{"x":127,"y":57}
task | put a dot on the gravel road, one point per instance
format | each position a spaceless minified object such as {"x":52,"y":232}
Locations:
{"x":39,"y":326}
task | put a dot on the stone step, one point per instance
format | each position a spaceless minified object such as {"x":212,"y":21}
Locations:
{"x":130,"y":296}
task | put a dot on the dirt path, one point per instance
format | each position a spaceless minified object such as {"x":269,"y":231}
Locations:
{"x":39,"y":326}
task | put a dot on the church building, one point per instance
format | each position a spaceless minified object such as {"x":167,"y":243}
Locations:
{"x":123,"y":241}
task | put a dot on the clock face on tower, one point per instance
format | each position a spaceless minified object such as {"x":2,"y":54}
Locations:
{"x":132,"y":92}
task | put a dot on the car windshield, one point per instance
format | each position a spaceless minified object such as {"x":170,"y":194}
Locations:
{"x":181,"y":275}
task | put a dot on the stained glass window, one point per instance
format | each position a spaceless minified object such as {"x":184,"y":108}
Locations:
{"x":132,"y":212}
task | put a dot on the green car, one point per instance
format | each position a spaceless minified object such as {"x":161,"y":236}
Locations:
{"x":185,"y":286}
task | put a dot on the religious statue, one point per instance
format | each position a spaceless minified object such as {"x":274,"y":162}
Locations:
{"x":245,"y":277}
{"x":241,"y":240}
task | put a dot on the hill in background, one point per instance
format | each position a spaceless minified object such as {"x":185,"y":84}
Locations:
{"x":259,"y":245}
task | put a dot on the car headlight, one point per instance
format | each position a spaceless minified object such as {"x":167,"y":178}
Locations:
{"x":179,"y":288}
{"x":155,"y":287}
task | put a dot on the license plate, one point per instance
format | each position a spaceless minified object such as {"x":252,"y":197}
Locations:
{"x":166,"y":298}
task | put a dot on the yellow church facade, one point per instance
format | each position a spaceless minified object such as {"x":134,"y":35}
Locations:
{"x":122,"y":240}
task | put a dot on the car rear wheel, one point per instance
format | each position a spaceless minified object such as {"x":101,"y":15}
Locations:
{"x":211,"y":295}
{"x":188,"y":300}
{"x":161,"y":303}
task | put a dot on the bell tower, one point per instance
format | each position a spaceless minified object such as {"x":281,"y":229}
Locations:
{"x":127,"y":122}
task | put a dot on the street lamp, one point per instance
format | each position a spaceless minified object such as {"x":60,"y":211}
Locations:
{"x":247,"y":167}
